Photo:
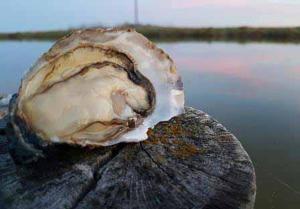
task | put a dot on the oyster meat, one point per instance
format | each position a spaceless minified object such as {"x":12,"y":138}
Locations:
{"x":97,"y":87}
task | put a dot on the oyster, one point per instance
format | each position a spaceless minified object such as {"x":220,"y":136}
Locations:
{"x":97,"y":87}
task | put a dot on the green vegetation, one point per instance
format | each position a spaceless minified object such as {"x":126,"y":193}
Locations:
{"x":46,"y":35}
{"x":241,"y":34}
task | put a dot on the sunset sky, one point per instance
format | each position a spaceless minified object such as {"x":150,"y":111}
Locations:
{"x":20,"y":15}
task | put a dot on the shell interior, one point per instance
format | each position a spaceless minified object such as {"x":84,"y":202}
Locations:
{"x":99,"y":87}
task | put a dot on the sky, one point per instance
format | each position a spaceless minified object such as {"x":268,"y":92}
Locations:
{"x":38,"y":15}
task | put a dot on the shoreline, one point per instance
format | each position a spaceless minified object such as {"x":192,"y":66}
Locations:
{"x":236,"y":34}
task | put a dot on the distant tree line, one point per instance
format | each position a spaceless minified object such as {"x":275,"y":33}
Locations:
{"x":241,"y":34}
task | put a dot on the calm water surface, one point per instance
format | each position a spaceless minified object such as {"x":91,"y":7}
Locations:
{"x":252,"y":89}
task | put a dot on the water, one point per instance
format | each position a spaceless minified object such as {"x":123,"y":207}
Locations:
{"x":252,"y":89}
{"x":16,"y":57}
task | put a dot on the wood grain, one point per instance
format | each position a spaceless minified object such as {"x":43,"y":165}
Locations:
{"x":191,"y":161}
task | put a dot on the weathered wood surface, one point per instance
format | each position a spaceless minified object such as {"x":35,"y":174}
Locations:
{"x":191,"y":161}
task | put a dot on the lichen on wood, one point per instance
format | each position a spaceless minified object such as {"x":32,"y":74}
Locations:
{"x":191,"y":161}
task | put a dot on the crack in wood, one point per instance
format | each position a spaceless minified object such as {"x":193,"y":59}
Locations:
{"x":93,"y":183}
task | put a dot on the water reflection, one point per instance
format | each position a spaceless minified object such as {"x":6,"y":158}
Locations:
{"x":252,"y":89}
{"x":16,"y":57}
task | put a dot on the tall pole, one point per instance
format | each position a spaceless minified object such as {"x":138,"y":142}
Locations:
{"x":136,"y":12}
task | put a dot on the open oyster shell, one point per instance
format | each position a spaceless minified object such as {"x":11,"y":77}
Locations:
{"x":97,"y":87}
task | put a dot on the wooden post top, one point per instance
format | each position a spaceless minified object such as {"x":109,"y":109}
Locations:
{"x":191,"y":161}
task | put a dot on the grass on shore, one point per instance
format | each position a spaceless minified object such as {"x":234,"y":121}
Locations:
{"x":240,"y":34}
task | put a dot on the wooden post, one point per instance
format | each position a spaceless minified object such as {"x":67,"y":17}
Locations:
{"x":191,"y":161}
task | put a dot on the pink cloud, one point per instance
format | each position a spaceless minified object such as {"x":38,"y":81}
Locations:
{"x":295,"y":72}
{"x":178,"y":4}
{"x":224,"y":66}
